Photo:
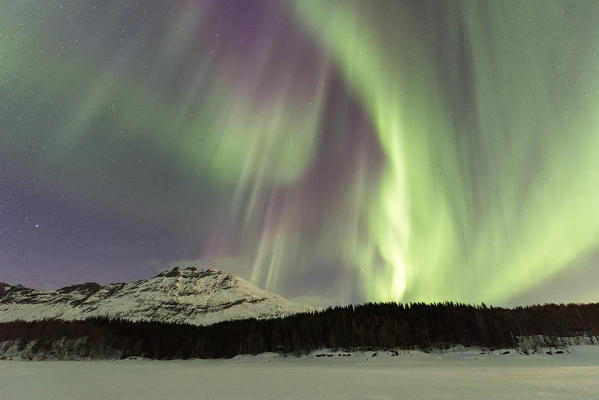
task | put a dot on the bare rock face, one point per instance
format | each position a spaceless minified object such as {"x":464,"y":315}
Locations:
{"x":183,"y":295}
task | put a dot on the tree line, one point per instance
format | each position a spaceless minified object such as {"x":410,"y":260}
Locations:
{"x":360,"y":327}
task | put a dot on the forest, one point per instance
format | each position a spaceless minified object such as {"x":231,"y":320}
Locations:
{"x":355,"y":327}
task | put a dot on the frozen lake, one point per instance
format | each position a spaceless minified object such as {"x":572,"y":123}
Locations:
{"x":411,"y":375}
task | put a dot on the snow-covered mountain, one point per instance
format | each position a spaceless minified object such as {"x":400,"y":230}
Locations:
{"x":189,"y":295}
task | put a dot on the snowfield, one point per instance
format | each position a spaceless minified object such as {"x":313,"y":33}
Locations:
{"x":464,"y":374}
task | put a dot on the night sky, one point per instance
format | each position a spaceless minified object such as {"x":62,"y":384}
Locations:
{"x":331,"y":152}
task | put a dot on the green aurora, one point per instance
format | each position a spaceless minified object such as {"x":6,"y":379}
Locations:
{"x":504,"y":186}
{"x":373,"y":150}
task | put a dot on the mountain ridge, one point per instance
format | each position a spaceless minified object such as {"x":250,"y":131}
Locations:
{"x":181,"y":295}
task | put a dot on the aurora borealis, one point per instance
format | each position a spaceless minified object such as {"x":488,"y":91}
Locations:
{"x":347,"y":150}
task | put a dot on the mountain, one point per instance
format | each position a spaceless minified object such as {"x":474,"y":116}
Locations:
{"x":184,"y":295}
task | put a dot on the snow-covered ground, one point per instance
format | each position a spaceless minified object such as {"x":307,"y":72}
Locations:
{"x":322,"y":375}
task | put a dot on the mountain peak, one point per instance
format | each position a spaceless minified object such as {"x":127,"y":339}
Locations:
{"x":188,"y":272}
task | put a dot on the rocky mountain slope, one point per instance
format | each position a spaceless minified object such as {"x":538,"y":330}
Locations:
{"x":189,"y":295}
